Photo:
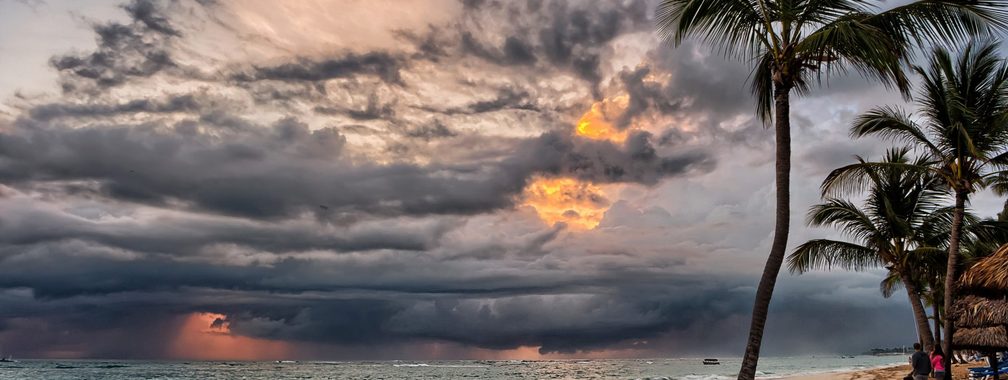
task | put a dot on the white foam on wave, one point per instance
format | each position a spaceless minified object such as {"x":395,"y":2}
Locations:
{"x":408,"y":365}
{"x":768,"y":376}
{"x":706,"y":377}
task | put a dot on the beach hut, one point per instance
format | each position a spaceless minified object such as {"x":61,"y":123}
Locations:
{"x":981,"y":312}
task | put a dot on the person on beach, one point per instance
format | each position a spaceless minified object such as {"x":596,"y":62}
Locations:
{"x":937,"y":356}
{"x":920,"y":363}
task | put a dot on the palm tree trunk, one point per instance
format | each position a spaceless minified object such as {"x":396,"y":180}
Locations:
{"x":920,"y":316}
{"x":782,"y":127}
{"x":937,"y":318}
{"x":950,"y":276}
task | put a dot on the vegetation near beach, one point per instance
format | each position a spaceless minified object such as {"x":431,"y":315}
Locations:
{"x":963,"y":131}
{"x":795,"y":44}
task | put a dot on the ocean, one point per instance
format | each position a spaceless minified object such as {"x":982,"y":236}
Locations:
{"x":685,"y":369}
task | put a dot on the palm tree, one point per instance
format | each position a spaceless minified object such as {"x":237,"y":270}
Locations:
{"x":901,"y":207}
{"x":979,"y":239}
{"x":795,"y":42}
{"x":927,"y":266}
{"x":963,"y":128}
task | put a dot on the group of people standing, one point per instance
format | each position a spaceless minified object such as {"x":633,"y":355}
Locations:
{"x":925,"y":364}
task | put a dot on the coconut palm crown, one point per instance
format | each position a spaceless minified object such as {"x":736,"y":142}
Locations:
{"x":901,"y":210}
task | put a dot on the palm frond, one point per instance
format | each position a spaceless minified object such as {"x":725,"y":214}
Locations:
{"x":734,"y":27}
{"x":890,"y":284}
{"x":855,"y":178}
{"x":844,"y":216}
{"x":850,"y":42}
{"x":762,"y":87}
{"x":943,"y":22}
{"x":893,"y":123}
{"x":826,"y":254}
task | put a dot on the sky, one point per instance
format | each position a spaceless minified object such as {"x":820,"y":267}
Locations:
{"x":480,"y":179}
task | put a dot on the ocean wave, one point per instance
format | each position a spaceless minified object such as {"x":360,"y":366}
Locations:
{"x":771,"y":375}
{"x":706,"y":377}
{"x":108,"y":366}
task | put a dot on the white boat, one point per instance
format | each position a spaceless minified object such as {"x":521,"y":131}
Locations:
{"x":710,"y":361}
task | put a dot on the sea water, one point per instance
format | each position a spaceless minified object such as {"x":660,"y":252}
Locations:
{"x":682,"y":368}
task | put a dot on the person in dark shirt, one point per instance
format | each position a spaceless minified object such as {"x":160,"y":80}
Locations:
{"x":920,"y":363}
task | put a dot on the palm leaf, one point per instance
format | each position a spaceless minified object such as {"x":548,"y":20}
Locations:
{"x":827,"y":254}
{"x":734,"y":27}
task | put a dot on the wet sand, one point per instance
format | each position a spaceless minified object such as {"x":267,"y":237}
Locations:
{"x":960,"y":372}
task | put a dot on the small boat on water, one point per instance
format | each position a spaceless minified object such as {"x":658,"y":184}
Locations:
{"x":709,"y":361}
{"x":7,"y":359}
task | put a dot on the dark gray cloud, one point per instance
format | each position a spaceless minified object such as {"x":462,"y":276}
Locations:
{"x":506,"y":98}
{"x":188,"y":236}
{"x":146,"y":12}
{"x":603,"y":161}
{"x":224,"y":164}
{"x":179,"y":103}
{"x":677,"y":315}
{"x":432,"y":131}
{"x":573,"y":35}
{"x":569,"y":36}
{"x":645,"y":96}
{"x":380,"y":64}
{"x":374,"y":110}
{"x":138,"y":49}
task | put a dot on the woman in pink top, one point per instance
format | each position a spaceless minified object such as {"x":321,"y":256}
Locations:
{"x":937,"y":364}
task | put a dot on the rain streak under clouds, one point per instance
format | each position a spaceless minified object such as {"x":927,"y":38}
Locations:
{"x":382,"y":179}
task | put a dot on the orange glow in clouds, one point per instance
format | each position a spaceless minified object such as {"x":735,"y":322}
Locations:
{"x":579,"y":204}
{"x":198,"y":339}
{"x":597,"y":124}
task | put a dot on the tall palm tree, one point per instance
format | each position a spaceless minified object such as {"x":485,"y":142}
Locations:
{"x":924,"y":264}
{"x":900,"y":207}
{"x":979,"y":239}
{"x":793,"y":43}
{"x":963,"y":127}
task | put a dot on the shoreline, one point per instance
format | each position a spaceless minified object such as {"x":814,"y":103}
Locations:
{"x":894,"y":372}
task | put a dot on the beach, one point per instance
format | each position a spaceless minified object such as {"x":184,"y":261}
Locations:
{"x":883,"y":373}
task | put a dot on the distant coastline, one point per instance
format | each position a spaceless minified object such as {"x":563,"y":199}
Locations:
{"x":888,"y":351}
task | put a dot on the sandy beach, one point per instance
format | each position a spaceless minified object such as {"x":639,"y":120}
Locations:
{"x":887,"y":373}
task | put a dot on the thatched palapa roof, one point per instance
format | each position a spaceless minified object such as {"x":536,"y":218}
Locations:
{"x":990,"y":273}
{"x":981,"y":338}
{"x":976,"y":311}
{"x":981,"y":313}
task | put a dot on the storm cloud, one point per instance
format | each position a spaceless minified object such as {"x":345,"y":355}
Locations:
{"x":362,"y":193}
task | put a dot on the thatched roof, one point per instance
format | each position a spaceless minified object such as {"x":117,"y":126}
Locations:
{"x":975,"y":311}
{"x":990,"y":273}
{"x":981,"y":313}
{"x":981,"y":338}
